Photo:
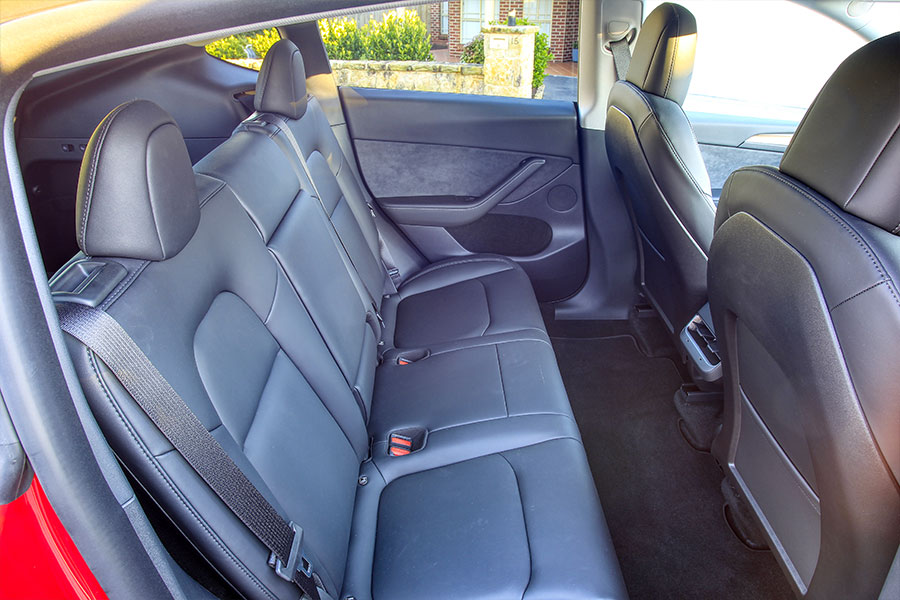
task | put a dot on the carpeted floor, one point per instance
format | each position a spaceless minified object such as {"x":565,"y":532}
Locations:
{"x":660,"y":496}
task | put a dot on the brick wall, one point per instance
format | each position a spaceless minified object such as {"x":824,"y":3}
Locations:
{"x":563,"y":31}
{"x":434,"y":25}
{"x":453,"y":37}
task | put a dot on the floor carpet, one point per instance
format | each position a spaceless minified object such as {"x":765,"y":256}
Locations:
{"x":660,"y":496}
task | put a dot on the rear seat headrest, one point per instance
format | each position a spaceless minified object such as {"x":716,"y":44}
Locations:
{"x":847,"y":147}
{"x":136,"y":192}
{"x":663,"y":60}
{"x":281,"y":86}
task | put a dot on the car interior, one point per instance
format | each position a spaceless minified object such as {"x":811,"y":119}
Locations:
{"x":267,"y":336}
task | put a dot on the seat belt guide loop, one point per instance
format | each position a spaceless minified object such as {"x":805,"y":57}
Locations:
{"x":295,"y":560}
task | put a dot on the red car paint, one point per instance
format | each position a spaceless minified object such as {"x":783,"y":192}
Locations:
{"x":38,"y":559}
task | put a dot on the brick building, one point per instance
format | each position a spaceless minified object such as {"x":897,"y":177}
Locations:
{"x":455,"y":23}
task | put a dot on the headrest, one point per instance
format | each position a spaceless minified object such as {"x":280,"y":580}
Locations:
{"x":136,"y":193}
{"x":664,"y":54}
{"x":847,"y":147}
{"x":281,"y":86}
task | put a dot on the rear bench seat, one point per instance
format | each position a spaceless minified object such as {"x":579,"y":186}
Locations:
{"x":249,"y":295}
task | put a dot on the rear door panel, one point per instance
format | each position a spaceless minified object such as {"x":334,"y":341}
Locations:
{"x":444,"y":153}
{"x":727,"y":143}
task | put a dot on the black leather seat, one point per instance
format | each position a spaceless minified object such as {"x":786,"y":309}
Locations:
{"x":803,"y":283}
{"x":243,"y":290}
{"x":657,"y":164}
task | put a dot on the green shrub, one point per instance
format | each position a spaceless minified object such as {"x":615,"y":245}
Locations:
{"x":542,"y":56}
{"x":395,"y":37}
{"x":398,"y":38}
{"x":235,"y":46}
{"x":474,"y":53}
{"x":343,"y":39}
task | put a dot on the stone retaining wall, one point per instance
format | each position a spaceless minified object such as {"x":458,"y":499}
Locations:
{"x":410,"y":75}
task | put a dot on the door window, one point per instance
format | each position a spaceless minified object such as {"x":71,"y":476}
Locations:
{"x":762,"y":58}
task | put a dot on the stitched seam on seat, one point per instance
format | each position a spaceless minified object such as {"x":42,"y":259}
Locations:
{"x":159,"y":240}
{"x":126,"y":283}
{"x":95,"y":161}
{"x":164,"y":476}
{"x":434,"y":268}
{"x":674,"y":53}
{"x":844,"y":225}
{"x":671,"y":147}
{"x":515,"y":416}
{"x":502,"y":386}
{"x":652,"y":57}
{"x":524,"y":522}
{"x":857,"y":294}
{"x":214,"y":192}
{"x":487,"y":303}
{"x":872,"y":166}
{"x":478,"y":343}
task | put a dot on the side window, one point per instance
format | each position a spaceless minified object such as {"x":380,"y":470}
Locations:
{"x":460,"y":46}
{"x":244,"y":49}
{"x":762,"y":58}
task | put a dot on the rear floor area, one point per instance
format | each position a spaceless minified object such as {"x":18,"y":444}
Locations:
{"x":661,"y":497}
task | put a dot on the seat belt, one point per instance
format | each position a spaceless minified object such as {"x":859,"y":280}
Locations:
{"x":621,"y":57}
{"x":364,"y":292}
{"x":387,"y":259}
{"x":177,"y":422}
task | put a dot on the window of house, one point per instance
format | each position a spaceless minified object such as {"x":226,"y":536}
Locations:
{"x":540,"y":13}
{"x":445,"y":18}
{"x":474,"y":14}
{"x":762,"y":58}
{"x":440,"y":47}
{"x":244,"y":49}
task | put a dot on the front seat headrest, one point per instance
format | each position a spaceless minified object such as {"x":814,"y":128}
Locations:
{"x":136,"y":193}
{"x":281,"y":86}
{"x":847,"y":147}
{"x":663,"y":58}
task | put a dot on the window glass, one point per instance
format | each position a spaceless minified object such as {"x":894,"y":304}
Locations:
{"x":441,"y":47}
{"x":244,"y":49}
{"x":762,"y":58}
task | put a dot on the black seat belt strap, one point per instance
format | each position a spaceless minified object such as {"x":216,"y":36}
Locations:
{"x":621,"y":57}
{"x":177,"y":422}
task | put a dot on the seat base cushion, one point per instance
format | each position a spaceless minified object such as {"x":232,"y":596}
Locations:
{"x":522,"y":523}
{"x":467,"y":385}
{"x":462,"y":298}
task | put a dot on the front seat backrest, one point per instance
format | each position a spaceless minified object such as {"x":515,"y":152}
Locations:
{"x":803,"y":284}
{"x":657,"y":164}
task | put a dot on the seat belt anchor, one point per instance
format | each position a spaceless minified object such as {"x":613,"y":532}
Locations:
{"x":296,"y":561}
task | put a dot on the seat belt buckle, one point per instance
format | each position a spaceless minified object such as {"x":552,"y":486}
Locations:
{"x":399,"y":445}
{"x":394,"y":274}
{"x":296,"y":561}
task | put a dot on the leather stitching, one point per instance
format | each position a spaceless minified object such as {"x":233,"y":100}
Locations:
{"x":674,"y":54}
{"x":437,"y":267}
{"x":665,"y":136}
{"x":125,"y":284}
{"x":872,"y":166}
{"x":844,"y":225}
{"x":95,"y":160}
{"x":524,"y":523}
{"x":148,"y":456}
{"x":858,"y":294}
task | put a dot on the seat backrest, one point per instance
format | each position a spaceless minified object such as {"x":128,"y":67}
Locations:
{"x":803,"y":283}
{"x":657,"y":164}
{"x":200,"y":293}
{"x":281,"y":90}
